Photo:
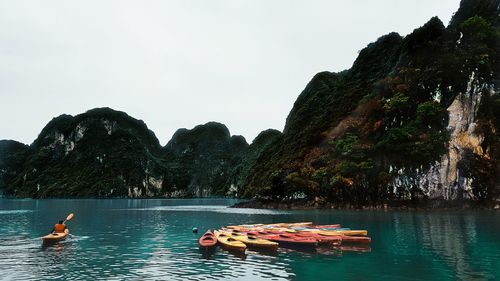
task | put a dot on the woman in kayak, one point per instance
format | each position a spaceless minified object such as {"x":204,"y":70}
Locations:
{"x":59,"y":227}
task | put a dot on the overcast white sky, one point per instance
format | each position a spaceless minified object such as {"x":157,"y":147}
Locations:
{"x":176,"y":64}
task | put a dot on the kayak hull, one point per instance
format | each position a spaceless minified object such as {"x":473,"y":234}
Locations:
{"x":55,"y":237}
{"x":291,"y":241}
{"x":207,"y":240}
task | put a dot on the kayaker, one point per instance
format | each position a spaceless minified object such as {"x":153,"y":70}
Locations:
{"x":59,"y":227}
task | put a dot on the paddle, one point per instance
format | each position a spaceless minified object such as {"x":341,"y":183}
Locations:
{"x":69,"y":217}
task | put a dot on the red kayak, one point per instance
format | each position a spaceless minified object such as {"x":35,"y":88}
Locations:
{"x":356,"y":239}
{"x":322,"y":239}
{"x":208,"y":239}
{"x":290,"y":240}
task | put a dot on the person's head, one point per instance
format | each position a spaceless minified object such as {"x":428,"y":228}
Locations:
{"x":61,"y":222}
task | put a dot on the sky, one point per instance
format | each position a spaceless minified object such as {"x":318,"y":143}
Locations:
{"x":177,"y":64}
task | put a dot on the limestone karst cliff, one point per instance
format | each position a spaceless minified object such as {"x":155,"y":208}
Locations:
{"x":415,"y":118}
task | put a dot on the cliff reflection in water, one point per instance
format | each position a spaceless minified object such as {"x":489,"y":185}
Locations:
{"x":447,"y":240}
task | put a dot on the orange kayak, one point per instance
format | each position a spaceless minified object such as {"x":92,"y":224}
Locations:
{"x":55,"y":237}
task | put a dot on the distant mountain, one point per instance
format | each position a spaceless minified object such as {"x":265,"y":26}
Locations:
{"x":204,"y":161}
{"x":13,"y":155}
{"x":106,"y":153}
{"x":100,"y":153}
{"x":415,"y":118}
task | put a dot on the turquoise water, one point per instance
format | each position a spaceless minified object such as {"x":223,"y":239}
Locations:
{"x":152,"y":240}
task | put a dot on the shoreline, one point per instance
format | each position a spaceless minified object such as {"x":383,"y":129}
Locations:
{"x":428,"y":205}
{"x":302,"y":204}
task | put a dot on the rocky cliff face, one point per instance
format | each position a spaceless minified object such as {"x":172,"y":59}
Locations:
{"x":415,"y":118}
{"x":446,"y":179}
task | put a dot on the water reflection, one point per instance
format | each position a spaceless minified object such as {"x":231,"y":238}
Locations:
{"x":449,"y":237}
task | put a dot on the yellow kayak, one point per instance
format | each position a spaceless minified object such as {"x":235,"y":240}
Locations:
{"x":343,"y":232}
{"x":229,"y":242}
{"x":244,"y":226}
{"x":253,"y":241}
{"x":285,"y":225}
{"x":54,"y":237}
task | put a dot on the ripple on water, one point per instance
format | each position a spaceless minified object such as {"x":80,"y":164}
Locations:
{"x":216,"y":209}
{"x":14,"y":212}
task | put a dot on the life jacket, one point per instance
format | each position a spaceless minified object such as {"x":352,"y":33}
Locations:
{"x":59,"y":227}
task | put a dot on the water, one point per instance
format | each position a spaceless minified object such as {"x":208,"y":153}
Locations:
{"x":152,"y":239}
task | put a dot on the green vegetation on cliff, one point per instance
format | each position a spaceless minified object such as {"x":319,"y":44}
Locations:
{"x":203,"y":161}
{"x":13,"y":155}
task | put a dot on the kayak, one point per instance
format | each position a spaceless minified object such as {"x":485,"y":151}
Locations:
{"x":343,"y":232}
{"x":254,"y":241}
{"x":321,"y":227}
{"x":244,"y":226}
{"x":55,"y":237}
{"x":322,"y":239}
{"x":208,"y":239}
{"x":290,"y":240}
{"x":292,"y":224}
{"x":356,"y":239}
{"x":229,"y":242}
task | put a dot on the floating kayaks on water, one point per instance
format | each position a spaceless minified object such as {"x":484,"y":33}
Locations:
{"x":208,"y":239}
{"x":229,"y":242}
{"x":55,"y":237}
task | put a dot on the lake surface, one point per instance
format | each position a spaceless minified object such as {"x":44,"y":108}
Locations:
{"x":152,"y":239}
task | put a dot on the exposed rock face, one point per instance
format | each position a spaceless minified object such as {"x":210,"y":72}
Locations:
{"x":445,"y":179}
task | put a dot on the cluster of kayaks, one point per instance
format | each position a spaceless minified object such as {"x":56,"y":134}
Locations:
{"x":272,"y":236}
